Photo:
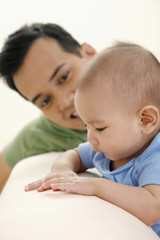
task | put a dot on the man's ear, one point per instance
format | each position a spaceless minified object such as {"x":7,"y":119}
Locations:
{"x":149,"y":118}
{"x":87,"y":50}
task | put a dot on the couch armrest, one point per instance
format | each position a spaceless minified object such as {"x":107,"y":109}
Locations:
{"x":58,"y":215}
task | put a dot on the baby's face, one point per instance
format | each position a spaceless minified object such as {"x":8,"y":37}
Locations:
{"x":111,"y":129}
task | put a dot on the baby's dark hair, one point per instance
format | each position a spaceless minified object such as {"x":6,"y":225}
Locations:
{"x":17,"y":45}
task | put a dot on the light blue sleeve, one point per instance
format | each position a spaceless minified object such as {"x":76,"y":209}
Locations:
{"x":149,"y":170}
{"x":86,"y":154}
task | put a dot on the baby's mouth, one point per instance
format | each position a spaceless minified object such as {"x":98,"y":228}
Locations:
{"x":75,"y":115}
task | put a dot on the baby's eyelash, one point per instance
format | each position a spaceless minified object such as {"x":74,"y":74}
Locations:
{"x":97,"y":129}
{"x":100,"y":129}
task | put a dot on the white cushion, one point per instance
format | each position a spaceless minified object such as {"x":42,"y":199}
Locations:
{"x":57,"y":215}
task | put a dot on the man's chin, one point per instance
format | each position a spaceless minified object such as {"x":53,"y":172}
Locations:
{"x":77,"y":124}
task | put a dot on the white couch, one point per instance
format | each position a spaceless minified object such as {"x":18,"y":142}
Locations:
{"x":57,"y":215}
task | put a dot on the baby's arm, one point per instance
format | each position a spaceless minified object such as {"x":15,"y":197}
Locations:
{"x":67,"y":164}
{"x":142,"y":202}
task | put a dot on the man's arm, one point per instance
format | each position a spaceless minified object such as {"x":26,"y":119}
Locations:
{"x":5,"y":171}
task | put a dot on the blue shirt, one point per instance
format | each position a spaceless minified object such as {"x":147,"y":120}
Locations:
{"x":140,"y":171}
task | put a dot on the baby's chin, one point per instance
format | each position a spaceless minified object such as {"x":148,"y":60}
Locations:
{"x":111,"y":157}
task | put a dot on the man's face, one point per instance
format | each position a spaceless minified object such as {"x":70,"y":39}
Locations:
{"x":48,"y":77}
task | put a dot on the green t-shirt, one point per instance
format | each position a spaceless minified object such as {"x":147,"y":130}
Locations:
{"x":41,"y":136}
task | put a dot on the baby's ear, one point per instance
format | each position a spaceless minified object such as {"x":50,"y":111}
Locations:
{"x":149,"y":117}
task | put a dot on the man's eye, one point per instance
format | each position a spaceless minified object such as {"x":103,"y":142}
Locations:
{"x":64,"y":77}
{"x":45,"y":102}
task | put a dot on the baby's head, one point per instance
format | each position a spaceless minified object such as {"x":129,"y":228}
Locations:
{"x":121,"y":84}
{"x":128,"y":72}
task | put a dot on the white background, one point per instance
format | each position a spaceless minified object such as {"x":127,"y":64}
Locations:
{"x":98,"y":22}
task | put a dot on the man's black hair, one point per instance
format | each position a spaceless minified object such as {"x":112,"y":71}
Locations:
{"x":17,"y":45}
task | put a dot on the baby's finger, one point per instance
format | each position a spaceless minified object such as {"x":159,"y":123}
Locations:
{"x":42,"y":189}
{"x":33,"y":185}
{"x":65,"y":187}
{"x":47,"y":184}
{"x":55,"y":175}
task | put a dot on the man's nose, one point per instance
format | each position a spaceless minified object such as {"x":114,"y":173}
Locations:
{"x":91,"y":138}
{"x":65,"y":101}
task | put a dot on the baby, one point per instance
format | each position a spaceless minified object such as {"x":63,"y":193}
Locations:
{"x":118,"y":98}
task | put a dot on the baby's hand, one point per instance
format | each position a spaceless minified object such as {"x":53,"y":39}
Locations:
{"x":73,"y":184}
{"x":38,"y":184}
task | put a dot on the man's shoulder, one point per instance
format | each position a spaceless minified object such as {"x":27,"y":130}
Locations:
{"x":39,"y":136}
{"x":41,"y":123}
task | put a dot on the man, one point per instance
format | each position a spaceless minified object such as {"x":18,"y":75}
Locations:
{"x":43,"y":63}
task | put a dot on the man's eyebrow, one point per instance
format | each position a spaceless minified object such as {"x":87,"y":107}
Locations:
{"x":51,"y":78}
{"x":35,"y":98}
{"x":56,"y":71}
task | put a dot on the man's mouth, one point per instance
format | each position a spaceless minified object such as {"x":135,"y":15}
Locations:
{"x":75,"y":115}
